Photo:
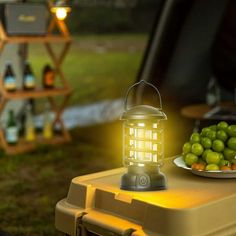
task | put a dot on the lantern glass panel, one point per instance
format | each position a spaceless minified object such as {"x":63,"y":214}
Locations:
{"x":143,"y":142}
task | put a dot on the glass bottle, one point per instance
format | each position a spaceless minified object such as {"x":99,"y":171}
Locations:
{"x":12,"y":135}
{"x":29,"y":124}
{"x":28,"y":77}
{"x":48,"y":77}
{"x":47,"y":123}
{"x":213,"y":93}
{"x":9,"y":80}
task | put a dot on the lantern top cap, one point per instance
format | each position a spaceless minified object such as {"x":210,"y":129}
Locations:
{"x":143,"y":112}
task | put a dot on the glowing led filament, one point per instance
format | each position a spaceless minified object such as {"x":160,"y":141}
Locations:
{"x":141,"y":124}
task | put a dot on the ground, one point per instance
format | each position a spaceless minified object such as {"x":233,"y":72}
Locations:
{"x":32,"y":184}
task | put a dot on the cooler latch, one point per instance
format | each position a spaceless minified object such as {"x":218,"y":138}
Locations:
{"x":100,"y":223}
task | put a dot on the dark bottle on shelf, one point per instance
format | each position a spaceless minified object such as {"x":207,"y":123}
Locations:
{"x":11,"y":129}
{"x":9,"y":79}
{"x":48,"y":77}
{"x":28,"y":77}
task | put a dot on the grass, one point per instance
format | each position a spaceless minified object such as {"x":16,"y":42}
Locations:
{"x":31,"y":184}
{"x":97,"y":67}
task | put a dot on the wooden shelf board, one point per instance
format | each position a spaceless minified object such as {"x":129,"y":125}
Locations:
{"x":36,"y":39}
{"x":24,"y":146}
{"x":36,"y":93}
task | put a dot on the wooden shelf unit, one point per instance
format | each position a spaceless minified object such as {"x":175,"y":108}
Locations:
{"x":36,"y":39}
{"x":64,"y":91}
{"x":24,"y":146}
{"x":36,"y":93}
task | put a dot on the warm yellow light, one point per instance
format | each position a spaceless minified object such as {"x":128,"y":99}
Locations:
{"x":141,"y":124}
{"x":60,"y":12}
{"x":141,"y":144}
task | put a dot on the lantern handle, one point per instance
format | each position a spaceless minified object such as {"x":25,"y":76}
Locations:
{"x":138,"y":83}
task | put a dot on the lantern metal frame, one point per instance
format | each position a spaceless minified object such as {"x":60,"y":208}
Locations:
{"x":143,"y":145}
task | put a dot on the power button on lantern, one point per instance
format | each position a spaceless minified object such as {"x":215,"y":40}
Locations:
{"x":143,"y":180}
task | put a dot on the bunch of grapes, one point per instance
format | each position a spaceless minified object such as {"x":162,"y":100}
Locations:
{"x":214,"y":148}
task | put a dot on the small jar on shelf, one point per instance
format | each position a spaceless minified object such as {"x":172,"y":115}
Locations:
{"x":29,"y":126}
{"x":47,"y":123}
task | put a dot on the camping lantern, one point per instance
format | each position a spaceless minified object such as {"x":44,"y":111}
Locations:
{"x":60,"y":9}
{"x":143,"y":144}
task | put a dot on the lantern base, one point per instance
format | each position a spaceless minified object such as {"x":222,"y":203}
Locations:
{"x":143,"y":178}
